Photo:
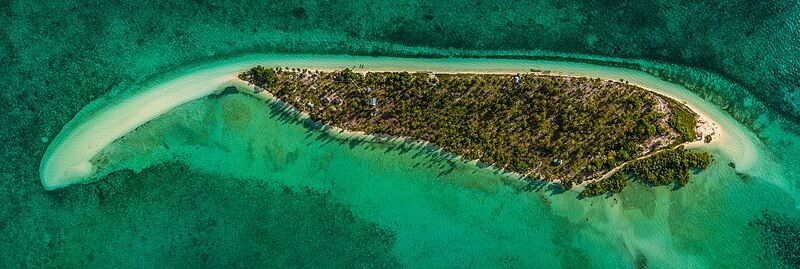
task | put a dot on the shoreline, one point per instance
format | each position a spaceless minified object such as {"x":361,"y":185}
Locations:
{"x":67,"y":159}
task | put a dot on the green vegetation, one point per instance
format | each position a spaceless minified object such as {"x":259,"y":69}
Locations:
{"x":348,"y":76}
{"x":670,"y":166}
{"x":260,"y":76}
{"x":684,"y":121}
{"x":707,"y":139}
{"x":544,"y":127}
{"x":613,"y":184}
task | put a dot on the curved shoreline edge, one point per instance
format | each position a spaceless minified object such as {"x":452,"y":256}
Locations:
{"x":67,"y":159}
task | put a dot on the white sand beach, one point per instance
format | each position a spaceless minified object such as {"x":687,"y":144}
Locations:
{"x":67,"y":160}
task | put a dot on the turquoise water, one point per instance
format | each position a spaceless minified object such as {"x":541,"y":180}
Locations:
{"x":268,"y":191}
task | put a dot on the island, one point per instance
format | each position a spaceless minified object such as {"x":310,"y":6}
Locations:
{"x":568,"y":130}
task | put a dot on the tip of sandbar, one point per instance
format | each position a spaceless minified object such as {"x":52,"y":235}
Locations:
{"x":70,"y":174}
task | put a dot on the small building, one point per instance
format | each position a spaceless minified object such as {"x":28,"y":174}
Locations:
{"x":517,"y":79}
{"x":373,"y":101}
{"x":557,"y":162}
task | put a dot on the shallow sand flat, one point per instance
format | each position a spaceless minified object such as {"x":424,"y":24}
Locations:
{"x":67,"y":160}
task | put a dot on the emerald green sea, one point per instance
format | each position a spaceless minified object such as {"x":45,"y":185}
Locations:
{"x":234,"y":181}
